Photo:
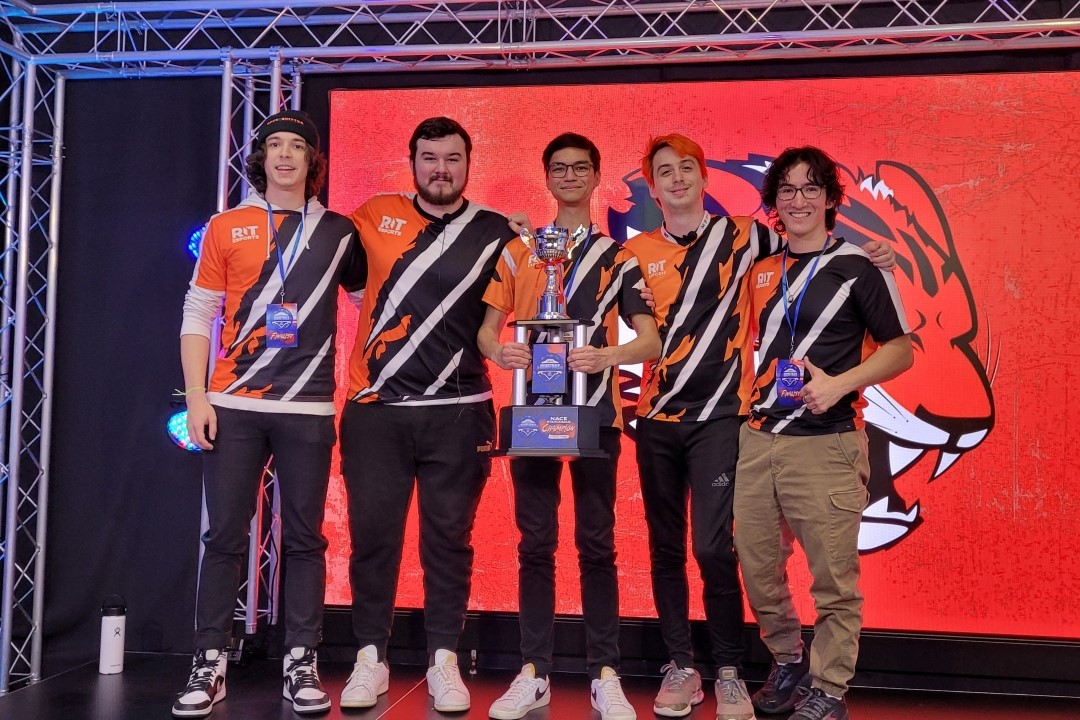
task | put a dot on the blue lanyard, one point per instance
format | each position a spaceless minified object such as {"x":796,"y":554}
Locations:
{"x":282,"y":267}
{"x":793,"y":321}
{"x":577,"y":261}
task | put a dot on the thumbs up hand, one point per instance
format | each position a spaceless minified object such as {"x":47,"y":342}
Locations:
{"x":823,"y":391}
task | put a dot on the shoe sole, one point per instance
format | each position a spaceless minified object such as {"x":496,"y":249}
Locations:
{"x":518,"y":714}
{"x":608,"y":717}
{"x":365,"y":703}
{"x":302,"y":709}
{"x":201,"y":713}
{"x":672,"y":712}
{"x":452,"y":708}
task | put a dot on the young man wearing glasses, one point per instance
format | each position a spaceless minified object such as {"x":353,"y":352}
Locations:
{"x":691,"y":409}
{"x":803,"y":464}
{"x":603,"y":283}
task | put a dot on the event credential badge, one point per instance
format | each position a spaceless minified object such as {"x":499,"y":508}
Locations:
{"x":789,"y":382}
{"x":281,"y":321}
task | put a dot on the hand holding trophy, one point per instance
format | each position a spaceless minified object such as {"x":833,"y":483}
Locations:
{"x":558,"y":423}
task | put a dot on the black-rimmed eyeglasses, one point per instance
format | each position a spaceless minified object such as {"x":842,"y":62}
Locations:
{"x":558,"y":170}
{"x":810,"y":192}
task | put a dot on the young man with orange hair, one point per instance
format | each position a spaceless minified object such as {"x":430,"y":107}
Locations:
{"x":690,"y":413}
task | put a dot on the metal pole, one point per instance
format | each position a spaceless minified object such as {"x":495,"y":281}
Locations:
{"x":224,"y":135}
{"x":518,"y":383}
{"x":578,"y":392}
{"x":9,"y":254}
{"x":47,"y":382}
{"x":245,"y":134}
{"x":275,"y":85}
{"x":297,"y":86}
{"x":17,"y":364}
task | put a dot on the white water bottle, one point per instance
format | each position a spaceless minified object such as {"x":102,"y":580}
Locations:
{"x":113,"y":630}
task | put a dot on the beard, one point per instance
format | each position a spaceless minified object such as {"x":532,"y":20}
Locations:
{"x":440,"y":198}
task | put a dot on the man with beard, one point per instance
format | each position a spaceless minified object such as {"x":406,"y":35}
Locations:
{"x":419,"y":411}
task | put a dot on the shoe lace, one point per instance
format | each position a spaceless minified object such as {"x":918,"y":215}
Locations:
{"x":363,"y":671}
{"x":733,"y":691}
{"x":816,"y":704}
{"x":675,"y":677}
{"x":520,"y":688}
{"x":302,"y":671}
{"x":611,"y":690}
{"x":202,"y":673}
{"x":448,"y":674}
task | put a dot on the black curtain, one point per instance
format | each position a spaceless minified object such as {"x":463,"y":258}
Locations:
{"x":140,"y":173}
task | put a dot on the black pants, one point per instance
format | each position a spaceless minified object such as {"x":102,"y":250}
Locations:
{"x":536,"y":505}
{"x":301,"y":446}
{"x":695,"y":460}
{"x":386,"y":450}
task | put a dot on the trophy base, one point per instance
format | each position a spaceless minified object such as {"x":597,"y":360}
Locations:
{"x":549,"y":431}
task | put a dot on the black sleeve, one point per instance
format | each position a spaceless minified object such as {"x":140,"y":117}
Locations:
{"x":354,"y":266}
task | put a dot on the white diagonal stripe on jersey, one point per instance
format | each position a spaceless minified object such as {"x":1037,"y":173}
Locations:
{"x":309,"y":371}
{"x":509,"y":258}
{"x":593,"y":253}
{"x":602,"y":389}
{"x":271,"y":290}
{"x":609,"y":298}
{"x":303,"y":311}
{"x":704,"y":341}
{"x":417,"y":269}
{"x":823,"y":320}
{"x":416,"y":338}
{"x":721,"y":389}
{"x":446,"y":373}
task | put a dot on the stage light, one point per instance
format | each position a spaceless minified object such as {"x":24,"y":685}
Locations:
{"x":194,"y":243}
{"x":177,"y":429}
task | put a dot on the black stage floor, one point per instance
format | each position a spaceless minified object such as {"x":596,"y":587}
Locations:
{"x":146,"y":688}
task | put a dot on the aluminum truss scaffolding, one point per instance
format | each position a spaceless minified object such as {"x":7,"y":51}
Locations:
{"x":261,"y":50}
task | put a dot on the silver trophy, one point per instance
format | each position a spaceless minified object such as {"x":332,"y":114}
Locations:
{"x":551,"y":246}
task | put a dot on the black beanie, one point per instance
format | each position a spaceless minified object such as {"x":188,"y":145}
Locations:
{"x":293,"y":121}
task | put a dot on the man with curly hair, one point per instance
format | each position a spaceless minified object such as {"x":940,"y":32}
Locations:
{"x":829,"y":324}
{"x":274,"y":262}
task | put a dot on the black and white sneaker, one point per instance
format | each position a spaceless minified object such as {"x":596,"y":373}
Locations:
{"x":205,"y":686}
{"x":302,"y":684}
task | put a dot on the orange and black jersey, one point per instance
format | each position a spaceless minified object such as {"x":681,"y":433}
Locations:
{"x":603,"y":283}
{"x":849,"y":307}
{"x":702,"y":309}
{"x":422,"y":307}
{"x":239,"y":261}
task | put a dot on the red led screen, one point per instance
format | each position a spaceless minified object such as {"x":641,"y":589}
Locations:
{"x":973,"y":524}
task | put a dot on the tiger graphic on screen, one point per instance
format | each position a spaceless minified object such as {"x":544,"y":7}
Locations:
{"x":919,"y":424}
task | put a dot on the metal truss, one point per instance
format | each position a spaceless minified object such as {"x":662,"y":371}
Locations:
{"x":261,"y":50}
{"x":30,"y":193}
{"x":138,"y":39}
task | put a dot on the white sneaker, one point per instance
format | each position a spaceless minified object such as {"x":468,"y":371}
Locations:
{"x":608,"y":697}
{"x":205,"y":687}
{"x":368,"y":681}
{"x":444,"y":683}
{"x":525,"y":693}
{"x":302,"y":685}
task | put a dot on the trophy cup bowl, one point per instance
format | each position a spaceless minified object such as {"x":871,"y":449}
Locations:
{"x":551,"y":246}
